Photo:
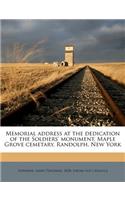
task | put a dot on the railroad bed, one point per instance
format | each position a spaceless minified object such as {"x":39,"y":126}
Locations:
{"x":76,"y":102}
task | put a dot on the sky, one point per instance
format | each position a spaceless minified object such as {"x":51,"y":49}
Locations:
{"x":44,"y":40}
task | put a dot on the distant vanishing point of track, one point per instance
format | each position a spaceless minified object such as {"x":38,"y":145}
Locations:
{"x":86,"y":99}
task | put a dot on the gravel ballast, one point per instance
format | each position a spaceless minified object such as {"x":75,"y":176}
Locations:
{"x":78,"y":102}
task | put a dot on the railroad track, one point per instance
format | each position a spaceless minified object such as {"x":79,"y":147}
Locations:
{"x":87,"y":98}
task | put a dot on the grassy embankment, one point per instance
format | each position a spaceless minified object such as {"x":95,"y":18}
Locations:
{"x":116,"y":71}
{"x":18,"y":80}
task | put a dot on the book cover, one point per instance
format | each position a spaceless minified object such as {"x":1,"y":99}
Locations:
{"x":62,"y":101}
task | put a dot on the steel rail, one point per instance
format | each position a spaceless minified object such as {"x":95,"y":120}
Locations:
{"x":117,"y":113}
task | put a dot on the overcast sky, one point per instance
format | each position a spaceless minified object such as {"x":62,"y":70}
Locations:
{"x":94,"y":40}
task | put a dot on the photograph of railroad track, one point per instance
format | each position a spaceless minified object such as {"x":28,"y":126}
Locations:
{"x":62,"y":73}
